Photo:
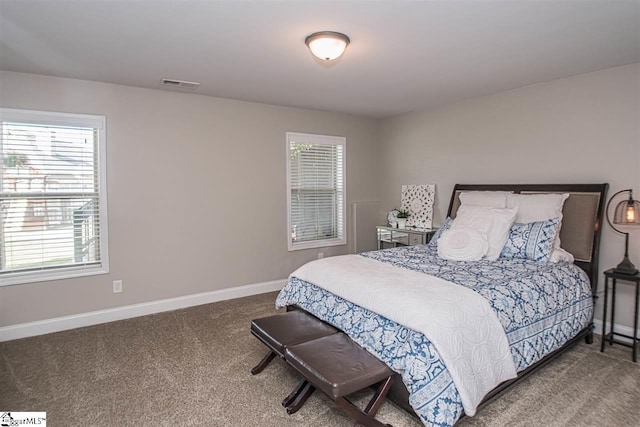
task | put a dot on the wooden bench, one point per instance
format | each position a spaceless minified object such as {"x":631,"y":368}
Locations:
{"x":338,"y":367}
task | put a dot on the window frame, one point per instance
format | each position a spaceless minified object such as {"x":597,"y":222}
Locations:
{"x":318,"y":140}
{"x":98,"y":122}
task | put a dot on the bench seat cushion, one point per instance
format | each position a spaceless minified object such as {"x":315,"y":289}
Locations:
{"x":294,"y":327}
{"x":336,"y":365}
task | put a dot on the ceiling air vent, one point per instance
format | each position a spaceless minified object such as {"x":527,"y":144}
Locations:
{"x":179,"y":84}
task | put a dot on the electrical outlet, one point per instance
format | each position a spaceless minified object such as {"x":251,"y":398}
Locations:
{"x":320,"y":255}
{"x":117,"y":286}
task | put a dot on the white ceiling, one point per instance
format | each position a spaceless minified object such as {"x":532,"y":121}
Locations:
{"x":404,"y":56}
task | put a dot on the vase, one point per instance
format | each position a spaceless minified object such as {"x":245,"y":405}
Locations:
{"x":402,"y":222}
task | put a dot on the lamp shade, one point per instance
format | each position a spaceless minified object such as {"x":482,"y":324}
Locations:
{"x":327,"y":45}
{"x":627,"y":212}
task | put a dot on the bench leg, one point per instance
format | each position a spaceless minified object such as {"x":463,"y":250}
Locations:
{"x":263,"y":363}
{"x":367,"y":417}
{"x":303,"y":391}
{"x":378,"y":398}
{"x":296,"y":391}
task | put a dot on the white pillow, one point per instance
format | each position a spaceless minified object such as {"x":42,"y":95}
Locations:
{"x":538,"y":207}
{"x":560,"y":255}
{"x":495,"y":199}
{"x":462,"y":244}
{"x":494,"y":223}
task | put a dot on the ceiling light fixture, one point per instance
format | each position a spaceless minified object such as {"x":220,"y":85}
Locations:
{"x":327,"y":45}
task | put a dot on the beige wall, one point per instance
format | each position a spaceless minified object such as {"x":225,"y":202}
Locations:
{"x":184,"y":217}
{"x":582,"y":129}
{"x":196,"y":191}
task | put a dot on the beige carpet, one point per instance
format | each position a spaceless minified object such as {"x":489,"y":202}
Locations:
{"x":191,"y":367}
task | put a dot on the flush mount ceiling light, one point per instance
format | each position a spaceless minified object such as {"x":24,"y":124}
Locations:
{"x":327,"y":45}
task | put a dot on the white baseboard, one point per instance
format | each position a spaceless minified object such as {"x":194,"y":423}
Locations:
{"x":57,"y":324}
{"x":621,"y":329}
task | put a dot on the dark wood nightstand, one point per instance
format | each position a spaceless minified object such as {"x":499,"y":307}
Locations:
{"x":631,"y":278}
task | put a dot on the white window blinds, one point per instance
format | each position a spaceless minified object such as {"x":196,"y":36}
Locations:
{"x":316,"y":190}
{"x":52,"y":198}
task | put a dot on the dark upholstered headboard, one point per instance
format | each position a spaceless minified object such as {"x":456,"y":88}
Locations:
{"x":581,"y":223}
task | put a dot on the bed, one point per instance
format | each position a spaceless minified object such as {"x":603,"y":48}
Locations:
{"x":542,"y":308}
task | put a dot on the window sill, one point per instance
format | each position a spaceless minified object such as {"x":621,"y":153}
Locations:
{"x":313,"y":244}
{"x":59,"y":274}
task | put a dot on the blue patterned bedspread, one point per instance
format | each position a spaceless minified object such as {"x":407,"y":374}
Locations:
{"x":540,"y":306}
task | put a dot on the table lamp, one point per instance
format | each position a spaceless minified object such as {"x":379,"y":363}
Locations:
{"x":627,"y":212}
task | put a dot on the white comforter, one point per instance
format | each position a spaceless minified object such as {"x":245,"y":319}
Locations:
{"x":459,"y":322}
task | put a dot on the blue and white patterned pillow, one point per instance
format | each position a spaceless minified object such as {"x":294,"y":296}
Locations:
{"x":533,"y":240}
{"x":444,"y":227}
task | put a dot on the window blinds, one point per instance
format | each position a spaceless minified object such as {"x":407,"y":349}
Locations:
{"x":316,"y":174}
{"x":50,"y":196}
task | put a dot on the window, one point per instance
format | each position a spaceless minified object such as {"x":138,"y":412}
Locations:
{"x":315,"y":190}
{"x":53,"y":205}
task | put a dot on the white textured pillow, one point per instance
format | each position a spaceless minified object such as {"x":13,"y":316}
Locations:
{"x":538,"y":207}
{"x":462,"y":244}
{"x":494,"y":223}
{"x":495,"y":199}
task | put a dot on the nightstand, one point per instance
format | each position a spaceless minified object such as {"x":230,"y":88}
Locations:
{"x":629,"y":278}
{"x":409,"y":236}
